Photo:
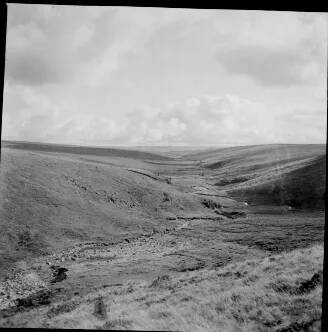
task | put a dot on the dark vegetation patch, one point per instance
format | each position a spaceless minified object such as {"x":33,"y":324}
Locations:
{"x":100,"y":310}
{"x":225,"y":182}
{"x":285,"y":287}
{"x":166,"y":197}
{"x":117,"y":323}
{"x":305,"y":286}
{"x":305,"y":326}
{"x":39,"y":298}
{"x":198,"y":217}
{"x":168,"y":180}
{"x":61,"y":309}
{"x":59,"y":273}
{"x":308,"y":285}
{"x":190,"y":266}
{"x":231,"y":214}
{"x":160,"y":281}
{"x":220,"y":163}
{"x":217,"y":164}
{"x":210,"y":204}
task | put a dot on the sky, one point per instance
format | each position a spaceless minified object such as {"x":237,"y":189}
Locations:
{"x":164,"y":76}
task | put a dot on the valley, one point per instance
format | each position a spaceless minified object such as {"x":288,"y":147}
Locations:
{"x":190,"y":240}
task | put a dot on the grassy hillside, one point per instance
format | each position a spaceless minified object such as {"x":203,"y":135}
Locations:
{"x":269,"y":174}
{"x":118,"y":241}
{"x":257,"y":154}
{"x":277,"y":293}
{"x":51,"y":201}
{"x":304,"y":187}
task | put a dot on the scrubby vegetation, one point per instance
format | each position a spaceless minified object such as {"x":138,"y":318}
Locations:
{"x":127,"y":240}
{"x":254,"y":295}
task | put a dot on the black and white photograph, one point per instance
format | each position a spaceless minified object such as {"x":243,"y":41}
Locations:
{"x":163,"y":169}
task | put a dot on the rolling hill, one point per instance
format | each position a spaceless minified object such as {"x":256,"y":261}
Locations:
{"x":303,"y":187}
{"x":51,"y":200}
{"x":147,"y":231}
{"x":288,"y":174}
{"x":83,"y":150}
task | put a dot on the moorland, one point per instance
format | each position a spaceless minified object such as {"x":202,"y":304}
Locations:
{"x":227,"y":239}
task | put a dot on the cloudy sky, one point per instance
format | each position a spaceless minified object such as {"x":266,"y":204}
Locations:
{"x":156,"y":76}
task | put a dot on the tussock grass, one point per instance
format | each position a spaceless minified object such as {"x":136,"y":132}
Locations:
{"x":254,"y":295}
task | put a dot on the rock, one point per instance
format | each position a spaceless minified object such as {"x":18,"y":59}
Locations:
{"x":100,"y":309}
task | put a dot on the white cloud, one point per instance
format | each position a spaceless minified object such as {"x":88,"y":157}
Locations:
{"x":226,"y":119}
{"x":154,"y":75}
{"x":203,"y":120}
{"x":278,"y":49}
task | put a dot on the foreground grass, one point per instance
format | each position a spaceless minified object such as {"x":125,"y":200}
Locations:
{"x":255,"y":295}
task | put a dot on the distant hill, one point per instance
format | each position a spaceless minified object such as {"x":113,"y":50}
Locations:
{"x":259,"y":153}
{"x":304,"y":187}
{"x":270,"y":174}
{"x":84,"y":150}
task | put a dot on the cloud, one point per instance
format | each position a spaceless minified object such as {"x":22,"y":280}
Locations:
{"x":208,"y":119}
{"x":226,"y":119}
{"x":53,"y":44}
{"x":70,"y":44}
{"x":269,"y":66}
{"x":203,"y":120}
{"x":277,"y":49}
{"x":111,"y":75}
{"x":302,"y":125}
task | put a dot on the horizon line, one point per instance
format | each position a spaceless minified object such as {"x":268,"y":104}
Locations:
{"x":213,"y":145}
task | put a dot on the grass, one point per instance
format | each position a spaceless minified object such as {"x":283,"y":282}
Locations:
{"x":300,"y":188}
{"x":51,"y":201}
{"x":244,"y":296}
{"x":204,"y":273}
{"x":277,"y":174}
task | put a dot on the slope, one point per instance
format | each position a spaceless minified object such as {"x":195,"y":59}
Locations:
{"x":269,"y":174}
{"x":50,"y":201}
{"x":304,"y":187}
